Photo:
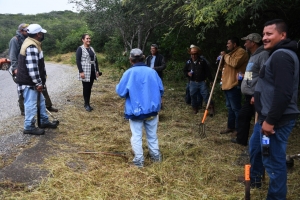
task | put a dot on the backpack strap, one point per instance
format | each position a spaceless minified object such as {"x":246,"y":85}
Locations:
{"x":19,"y":39}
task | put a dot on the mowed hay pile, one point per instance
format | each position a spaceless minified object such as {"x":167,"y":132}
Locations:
{"x":192,"y":167}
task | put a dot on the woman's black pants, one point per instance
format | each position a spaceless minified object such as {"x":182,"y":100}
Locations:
{"x":87,"y":89}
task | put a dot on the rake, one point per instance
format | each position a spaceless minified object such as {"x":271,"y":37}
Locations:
{"x":115,"y":153}
{"x":202,"y":125}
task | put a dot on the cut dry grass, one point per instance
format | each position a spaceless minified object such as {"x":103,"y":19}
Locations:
{"x":192,"y":167}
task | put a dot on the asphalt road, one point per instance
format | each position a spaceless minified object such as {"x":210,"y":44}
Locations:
{"x":59,"y":79}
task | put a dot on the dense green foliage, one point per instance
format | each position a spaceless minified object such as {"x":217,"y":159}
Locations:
{"x":116,"y":26}
{"x":64,"y":29}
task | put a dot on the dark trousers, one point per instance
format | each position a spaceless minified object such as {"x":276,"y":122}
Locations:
{"x":188,"y":99}
{"x":233,"y":104}
{"x":244,"y":119}
{"x":87,"y":89}
{"x":196,"y":89}
{"x":47,"y":100}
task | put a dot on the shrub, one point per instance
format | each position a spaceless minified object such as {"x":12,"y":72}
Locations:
{"x":113,"y":49}
{"x":173,"y":71}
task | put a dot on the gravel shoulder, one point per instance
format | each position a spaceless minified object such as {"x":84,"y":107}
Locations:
{"x":16,"y":149}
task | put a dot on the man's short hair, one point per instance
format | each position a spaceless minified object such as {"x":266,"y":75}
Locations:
{"x":136,"y":55}
{"x":235,"y":40}
{"x":281,"y":26}
{"x":155,"y":46}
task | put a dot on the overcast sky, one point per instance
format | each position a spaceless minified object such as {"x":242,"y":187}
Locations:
{"x":34,"y":6}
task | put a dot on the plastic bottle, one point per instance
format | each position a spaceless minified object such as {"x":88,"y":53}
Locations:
{"x":240,"y":77}
{"x":191,"y":71}
{"x":218,"y":59}
{"x":265,"y":145}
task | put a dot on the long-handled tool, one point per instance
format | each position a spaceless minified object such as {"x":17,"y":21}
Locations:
{"x":14,"y":77}
{"x":55,"y":120}
{"x":38,"y":109}
{"x":202,"y":125}
{"x":117,"y":154}
{"x":247,"y":181}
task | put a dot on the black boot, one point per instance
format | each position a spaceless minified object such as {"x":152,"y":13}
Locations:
{"x":87,"y":107}
{"x":34,"y":131}
{"x":49,"y":125}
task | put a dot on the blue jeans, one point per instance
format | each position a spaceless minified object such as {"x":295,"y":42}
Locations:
{"x":233,"y":104}
{"x":188,"y":99}
{"x":257,"y":169}
{"x":195,"y":89}
{"x":136,"y":127}
{"x":275,"y":163}
{"x":30,"y":103}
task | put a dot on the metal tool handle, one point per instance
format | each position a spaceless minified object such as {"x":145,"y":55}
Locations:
{"x":117,"y":154}
{"x":38,"y":109}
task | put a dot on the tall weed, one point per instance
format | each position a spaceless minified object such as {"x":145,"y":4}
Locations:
{"x":174,"y":71}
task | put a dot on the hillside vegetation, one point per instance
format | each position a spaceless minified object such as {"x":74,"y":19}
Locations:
{"x":64,"y":29}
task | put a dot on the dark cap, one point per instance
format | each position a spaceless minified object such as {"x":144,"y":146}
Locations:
{"x":255,"y":37}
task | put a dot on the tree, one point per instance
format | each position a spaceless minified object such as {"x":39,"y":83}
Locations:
{"x":59,"y":25}
{"x":226,"y":13}
{"x":135,"y":20}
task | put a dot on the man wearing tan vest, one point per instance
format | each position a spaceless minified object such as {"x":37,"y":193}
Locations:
{"x":14,"y":51}
{"x":31,"y":79}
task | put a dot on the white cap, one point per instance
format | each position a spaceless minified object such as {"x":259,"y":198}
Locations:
{"x":136,"y":53}
{"x":35,"y":28}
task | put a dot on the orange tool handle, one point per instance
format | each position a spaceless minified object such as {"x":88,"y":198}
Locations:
{"x":247,"y":172}
{"x":204,"y":116}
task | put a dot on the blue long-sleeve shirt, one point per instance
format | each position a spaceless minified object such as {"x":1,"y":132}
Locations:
{"x":142,"y":88}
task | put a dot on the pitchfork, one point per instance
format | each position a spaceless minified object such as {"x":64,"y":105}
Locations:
{"x":202,"y":125}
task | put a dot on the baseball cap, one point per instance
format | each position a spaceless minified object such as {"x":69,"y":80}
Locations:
{"x":136,"y":53}
{"x":22,"y":27}
{"x":35,"y":28}
{"x":255,"y":37}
